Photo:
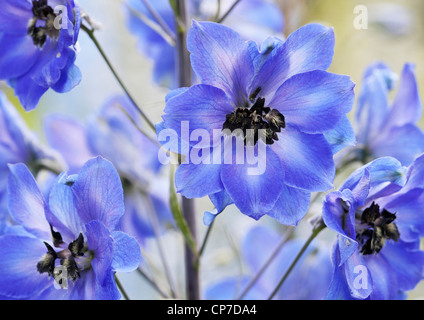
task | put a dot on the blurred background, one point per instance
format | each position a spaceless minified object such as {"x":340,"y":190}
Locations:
{"x":395,"y":35}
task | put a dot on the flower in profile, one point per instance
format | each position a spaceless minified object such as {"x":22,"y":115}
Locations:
{"x":37,"y":40}
{"x":253,"y":19}
{"x":377,"y":214}
{"x":70,"y":246}
{"x":309,"y":280}
{"x":384,"y":128}
{"x":18,"y":144}
{"x":263,"y":117}
{"x":111,"y":134}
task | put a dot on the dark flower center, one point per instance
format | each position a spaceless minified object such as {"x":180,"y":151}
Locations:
{"x":74,"y":258}
{"x":42,"y":24}
{"x":249,"y":121}
{"x":374,"y":228}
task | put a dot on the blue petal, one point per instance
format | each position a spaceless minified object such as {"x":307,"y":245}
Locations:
{"x":381,"y":170}
{"x":315,"y":101}
{"x":19,"y":276}
{"x":256,"y":19}
{"x":63,"y":214}
{"x":415,"y":175}
{"x":200,"y":107}
{"x":309,"y":48}
{"x":14,"y":17}
{"x":254,"y":194}
{"x":406,"y":262}
{"x":126,"y":252}
{"x":384,"y":281}
{"x":220,"y":200}
{"x":74,"y":147}
{"x":98,"y":192}
{"x":28,"y":91}
{"x":99,"y":241}
{"x":356,"y":267}
{"x":338,"y":289}
{"x":372,"y":105}
{"x":70,"y":75}
{"x":19,"y":54}
{"x":341,"y":136}
{"x":291,"y":206}
{"x":190,"y":178}
{"x":26,"y":202}
{"x":307,"y":160}
{"x":407,"y":106}
{"x":221,"y":58}
{"x":403,"y":143}
{"x":409,"y":207}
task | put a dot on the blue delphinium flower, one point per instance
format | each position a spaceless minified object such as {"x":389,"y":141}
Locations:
{"x":285,"y":93}
{"x":377,"y":214}
{"x":37,"y":40}
{"x":73,"y":231}
{"x":111,"y":134}
{"x":384,"y":128}
{"x":309,"y":280}
{"x":19,"y":144}
{"x":253,"y":19}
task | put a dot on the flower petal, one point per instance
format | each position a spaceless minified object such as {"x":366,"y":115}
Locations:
{"x":315,"y":101}
{"x":19,"y":276}
{"x":26,"y":202}
{"x":307,"y":160}
{"x":291,"y":206}
{"x":126,"y":252}
{"x":98,"y":193}
{"x":309,"y":48}
{"x":407,"y":106}
{"x":254,"y":194}
{"x":403,"y":143}
{"x":200,"y":107}
{"x":220,"y":58}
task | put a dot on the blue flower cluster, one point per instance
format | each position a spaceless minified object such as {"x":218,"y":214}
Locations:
{"x":263,"y":127}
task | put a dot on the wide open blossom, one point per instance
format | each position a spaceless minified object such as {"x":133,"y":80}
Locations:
{"x":377,"y":214}
{"x":253,"y":19}
{"x":71,"y":236}
{"x":309,"y":279}
{"x":281,"y":105}
{"x":385,"y":128}
{"x":111,"y":134}
{"x":37,"y":40}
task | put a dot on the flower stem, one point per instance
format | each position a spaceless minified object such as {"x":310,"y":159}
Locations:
{"x":90,"y":33}
{"x":121,"y":288}
{"x":317,"y":229}
{"x":152,"y":283}
{"x":185,"y":80}
{"x":228,"y":12}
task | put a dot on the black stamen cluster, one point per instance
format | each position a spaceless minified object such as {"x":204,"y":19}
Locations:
{"x":380,"y":227}
{"x":67,"y":256}
{"x":251,"y":120}
{"x":39,"y":33}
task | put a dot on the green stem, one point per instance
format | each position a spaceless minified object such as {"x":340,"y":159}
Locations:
{"x":90,"y":33}
{"x":319,"y":227}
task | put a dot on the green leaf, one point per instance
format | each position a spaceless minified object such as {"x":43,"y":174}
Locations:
{"x":178,"y":216}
